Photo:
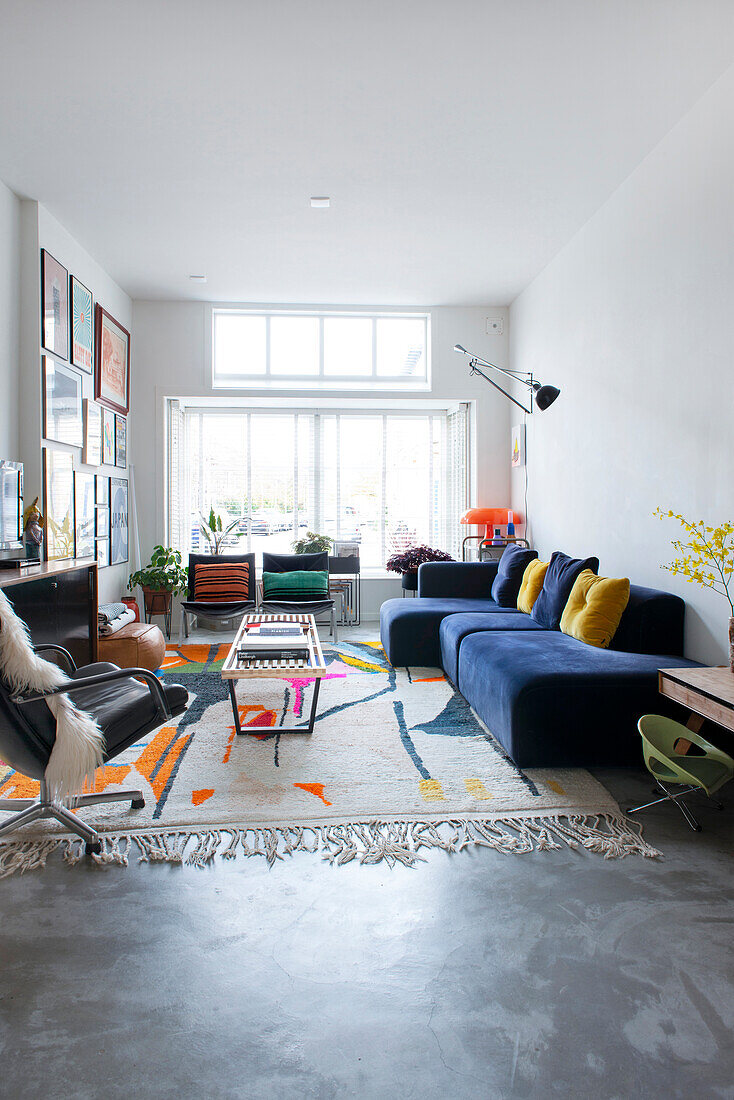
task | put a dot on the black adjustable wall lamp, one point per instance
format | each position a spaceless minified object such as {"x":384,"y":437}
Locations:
{"x":542,"y":396}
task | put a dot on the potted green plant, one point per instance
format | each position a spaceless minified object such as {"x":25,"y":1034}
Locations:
{"x":214,"y":531}
{"x":407,"y":563}
{"x":161,"y":579}
{"x":311,"y":543}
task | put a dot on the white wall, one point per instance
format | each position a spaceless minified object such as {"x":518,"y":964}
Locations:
{"x":634,"y":320}
{"x":41,"y":230}
{"x":9,"y":321}
{"x":172,"y":359}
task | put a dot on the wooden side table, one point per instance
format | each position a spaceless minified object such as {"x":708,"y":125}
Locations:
{"x":707,"y":692}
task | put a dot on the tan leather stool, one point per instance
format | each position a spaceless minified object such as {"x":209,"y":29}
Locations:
{"x":137,"y":645}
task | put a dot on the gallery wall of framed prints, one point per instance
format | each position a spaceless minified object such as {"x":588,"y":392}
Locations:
{"x":85,"y":387}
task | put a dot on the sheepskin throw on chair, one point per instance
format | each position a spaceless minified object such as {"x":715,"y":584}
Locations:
{"x":79,"y":744}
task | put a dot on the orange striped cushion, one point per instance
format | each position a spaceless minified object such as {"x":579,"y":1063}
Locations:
{"x":221,"y":583}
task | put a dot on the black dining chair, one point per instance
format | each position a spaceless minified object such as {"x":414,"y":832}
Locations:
{"x":221,"y":611}
{"x":128,"y":704}
{"x":289,"y":563}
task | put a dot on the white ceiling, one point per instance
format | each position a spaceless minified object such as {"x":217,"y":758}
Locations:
{"x":462,"y":142}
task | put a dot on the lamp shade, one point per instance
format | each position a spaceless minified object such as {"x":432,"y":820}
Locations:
{"x":545,"y":396}
{"x":486,"y":516}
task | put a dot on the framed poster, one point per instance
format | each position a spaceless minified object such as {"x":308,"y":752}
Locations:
{"x":54,"y":305}
{"x":118,"y":521}
{"x":81,"y":325}
{"x":102,"y":490}
{"x":62,"y":403}
{"x":102,"y":523}
{"x":92,"y":453}
{"x":517,"y":454}
{"x":103,"y":553}
{"x":108,"y":438}
{"x":58,"y":498}
{"x":84,"y":516}
{"x":120,"y":441}
{"x":111,"y":362}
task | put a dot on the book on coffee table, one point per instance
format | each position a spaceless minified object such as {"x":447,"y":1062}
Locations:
{"x":245,"y":654}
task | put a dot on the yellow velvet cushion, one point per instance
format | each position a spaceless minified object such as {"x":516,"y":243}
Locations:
{"x":532,"y":582}
{"x":594,"y":608}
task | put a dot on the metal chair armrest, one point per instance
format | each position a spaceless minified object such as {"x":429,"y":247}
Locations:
{"x":69,"y":660}
{"x":150,"y":679}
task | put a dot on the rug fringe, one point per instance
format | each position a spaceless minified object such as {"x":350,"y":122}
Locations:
{"x":610,"y":835}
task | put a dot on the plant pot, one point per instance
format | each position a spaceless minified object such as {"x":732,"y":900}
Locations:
{"x":731,"y":643}
{"x":410,"y":582}
{"x":157,"y":601}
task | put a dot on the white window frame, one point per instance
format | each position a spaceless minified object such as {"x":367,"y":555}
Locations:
{"x":458,"y":483}
{"x":266,"y":380}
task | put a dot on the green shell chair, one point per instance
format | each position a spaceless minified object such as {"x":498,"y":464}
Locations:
{"x":704,"y":771}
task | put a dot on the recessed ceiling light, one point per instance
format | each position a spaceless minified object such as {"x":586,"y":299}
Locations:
{"x":320,"y":202}
{"x":198,"y":278}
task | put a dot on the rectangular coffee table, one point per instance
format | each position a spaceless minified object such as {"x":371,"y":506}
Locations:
{"x":312,"y":664}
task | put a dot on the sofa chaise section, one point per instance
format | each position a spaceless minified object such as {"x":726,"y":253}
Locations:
{"x":409,"y":627}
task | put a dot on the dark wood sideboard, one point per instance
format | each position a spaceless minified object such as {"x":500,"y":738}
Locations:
{"x":58,"y":602}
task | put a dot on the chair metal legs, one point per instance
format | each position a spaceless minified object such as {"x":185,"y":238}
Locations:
{"x":184,"y":632}
{"x":32,"y":810}
{"x":675,"y":799}
{"x":334,"y":627}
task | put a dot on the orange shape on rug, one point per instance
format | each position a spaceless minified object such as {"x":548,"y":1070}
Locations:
{"x":197,"y":797}
{"x":314,"y":788}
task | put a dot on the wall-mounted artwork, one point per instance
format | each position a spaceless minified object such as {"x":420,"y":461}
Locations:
{"x":55,"y":305}
{"x":120,"y":441}
{"x":82,"y":332}
{"x":108,"y":438}
{"x":111,"y":362}
{"x":103,"y":553}
{"x":62,"y":403}
{"x":101,"y":490}
{"x":118,"y":521}
{"x":102,"y":526}
{"x":84,"y":515}
{"x":517,"y":452}
{"x":58,"y":497}
{"x":92,"y":453}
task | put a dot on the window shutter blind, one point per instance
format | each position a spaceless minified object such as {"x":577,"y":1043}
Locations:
{"x":457,"y":478}
{"x":175,"y":458}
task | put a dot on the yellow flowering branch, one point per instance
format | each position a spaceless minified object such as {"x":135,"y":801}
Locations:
{"x":706,"y":558}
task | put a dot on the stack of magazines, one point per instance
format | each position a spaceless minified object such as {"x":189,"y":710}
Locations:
{"x":273,"y":642}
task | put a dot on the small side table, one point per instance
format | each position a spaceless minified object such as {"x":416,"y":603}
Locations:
{"x":707,"y":692}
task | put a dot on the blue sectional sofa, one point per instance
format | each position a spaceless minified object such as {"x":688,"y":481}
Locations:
{"x":550,"y":700}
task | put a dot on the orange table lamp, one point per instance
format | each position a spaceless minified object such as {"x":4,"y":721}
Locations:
{"x":487,"y":516}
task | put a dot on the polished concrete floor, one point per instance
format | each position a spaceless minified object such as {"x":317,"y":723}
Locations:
{"x":472,"y":975}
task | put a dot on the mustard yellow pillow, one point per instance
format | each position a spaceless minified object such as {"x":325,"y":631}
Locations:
{"x":594,"y":608}
{"x":532,"y":582}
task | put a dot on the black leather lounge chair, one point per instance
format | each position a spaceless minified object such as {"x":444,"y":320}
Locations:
{"x":126,"y":710}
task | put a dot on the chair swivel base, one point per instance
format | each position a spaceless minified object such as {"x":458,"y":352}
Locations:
{"x":675,"y":798}
{"x":31,"y":809}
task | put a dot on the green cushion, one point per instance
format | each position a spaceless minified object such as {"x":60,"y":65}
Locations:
{"x":299,"y":585}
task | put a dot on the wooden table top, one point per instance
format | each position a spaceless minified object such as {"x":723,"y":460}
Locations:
{"x":314,"y":664}
{"x":707,"y":691}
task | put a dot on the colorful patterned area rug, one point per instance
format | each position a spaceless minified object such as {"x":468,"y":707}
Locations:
{"x":398,"y":764}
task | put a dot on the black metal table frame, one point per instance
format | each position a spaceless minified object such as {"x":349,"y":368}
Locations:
{"x":251,"y":731}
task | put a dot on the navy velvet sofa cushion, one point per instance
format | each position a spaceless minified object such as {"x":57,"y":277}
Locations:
{"x":512,"y":565}
{"x":560,"y":577}
{"x":454,"y":628}
{"x":409,"y":627}
{"x":553,"y":701}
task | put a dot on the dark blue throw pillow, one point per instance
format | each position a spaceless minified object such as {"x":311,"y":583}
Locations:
{"x":559,"y":580}
{"x":513,"y":564}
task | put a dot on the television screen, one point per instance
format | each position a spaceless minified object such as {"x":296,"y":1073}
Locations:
{"x":11,"y":504}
